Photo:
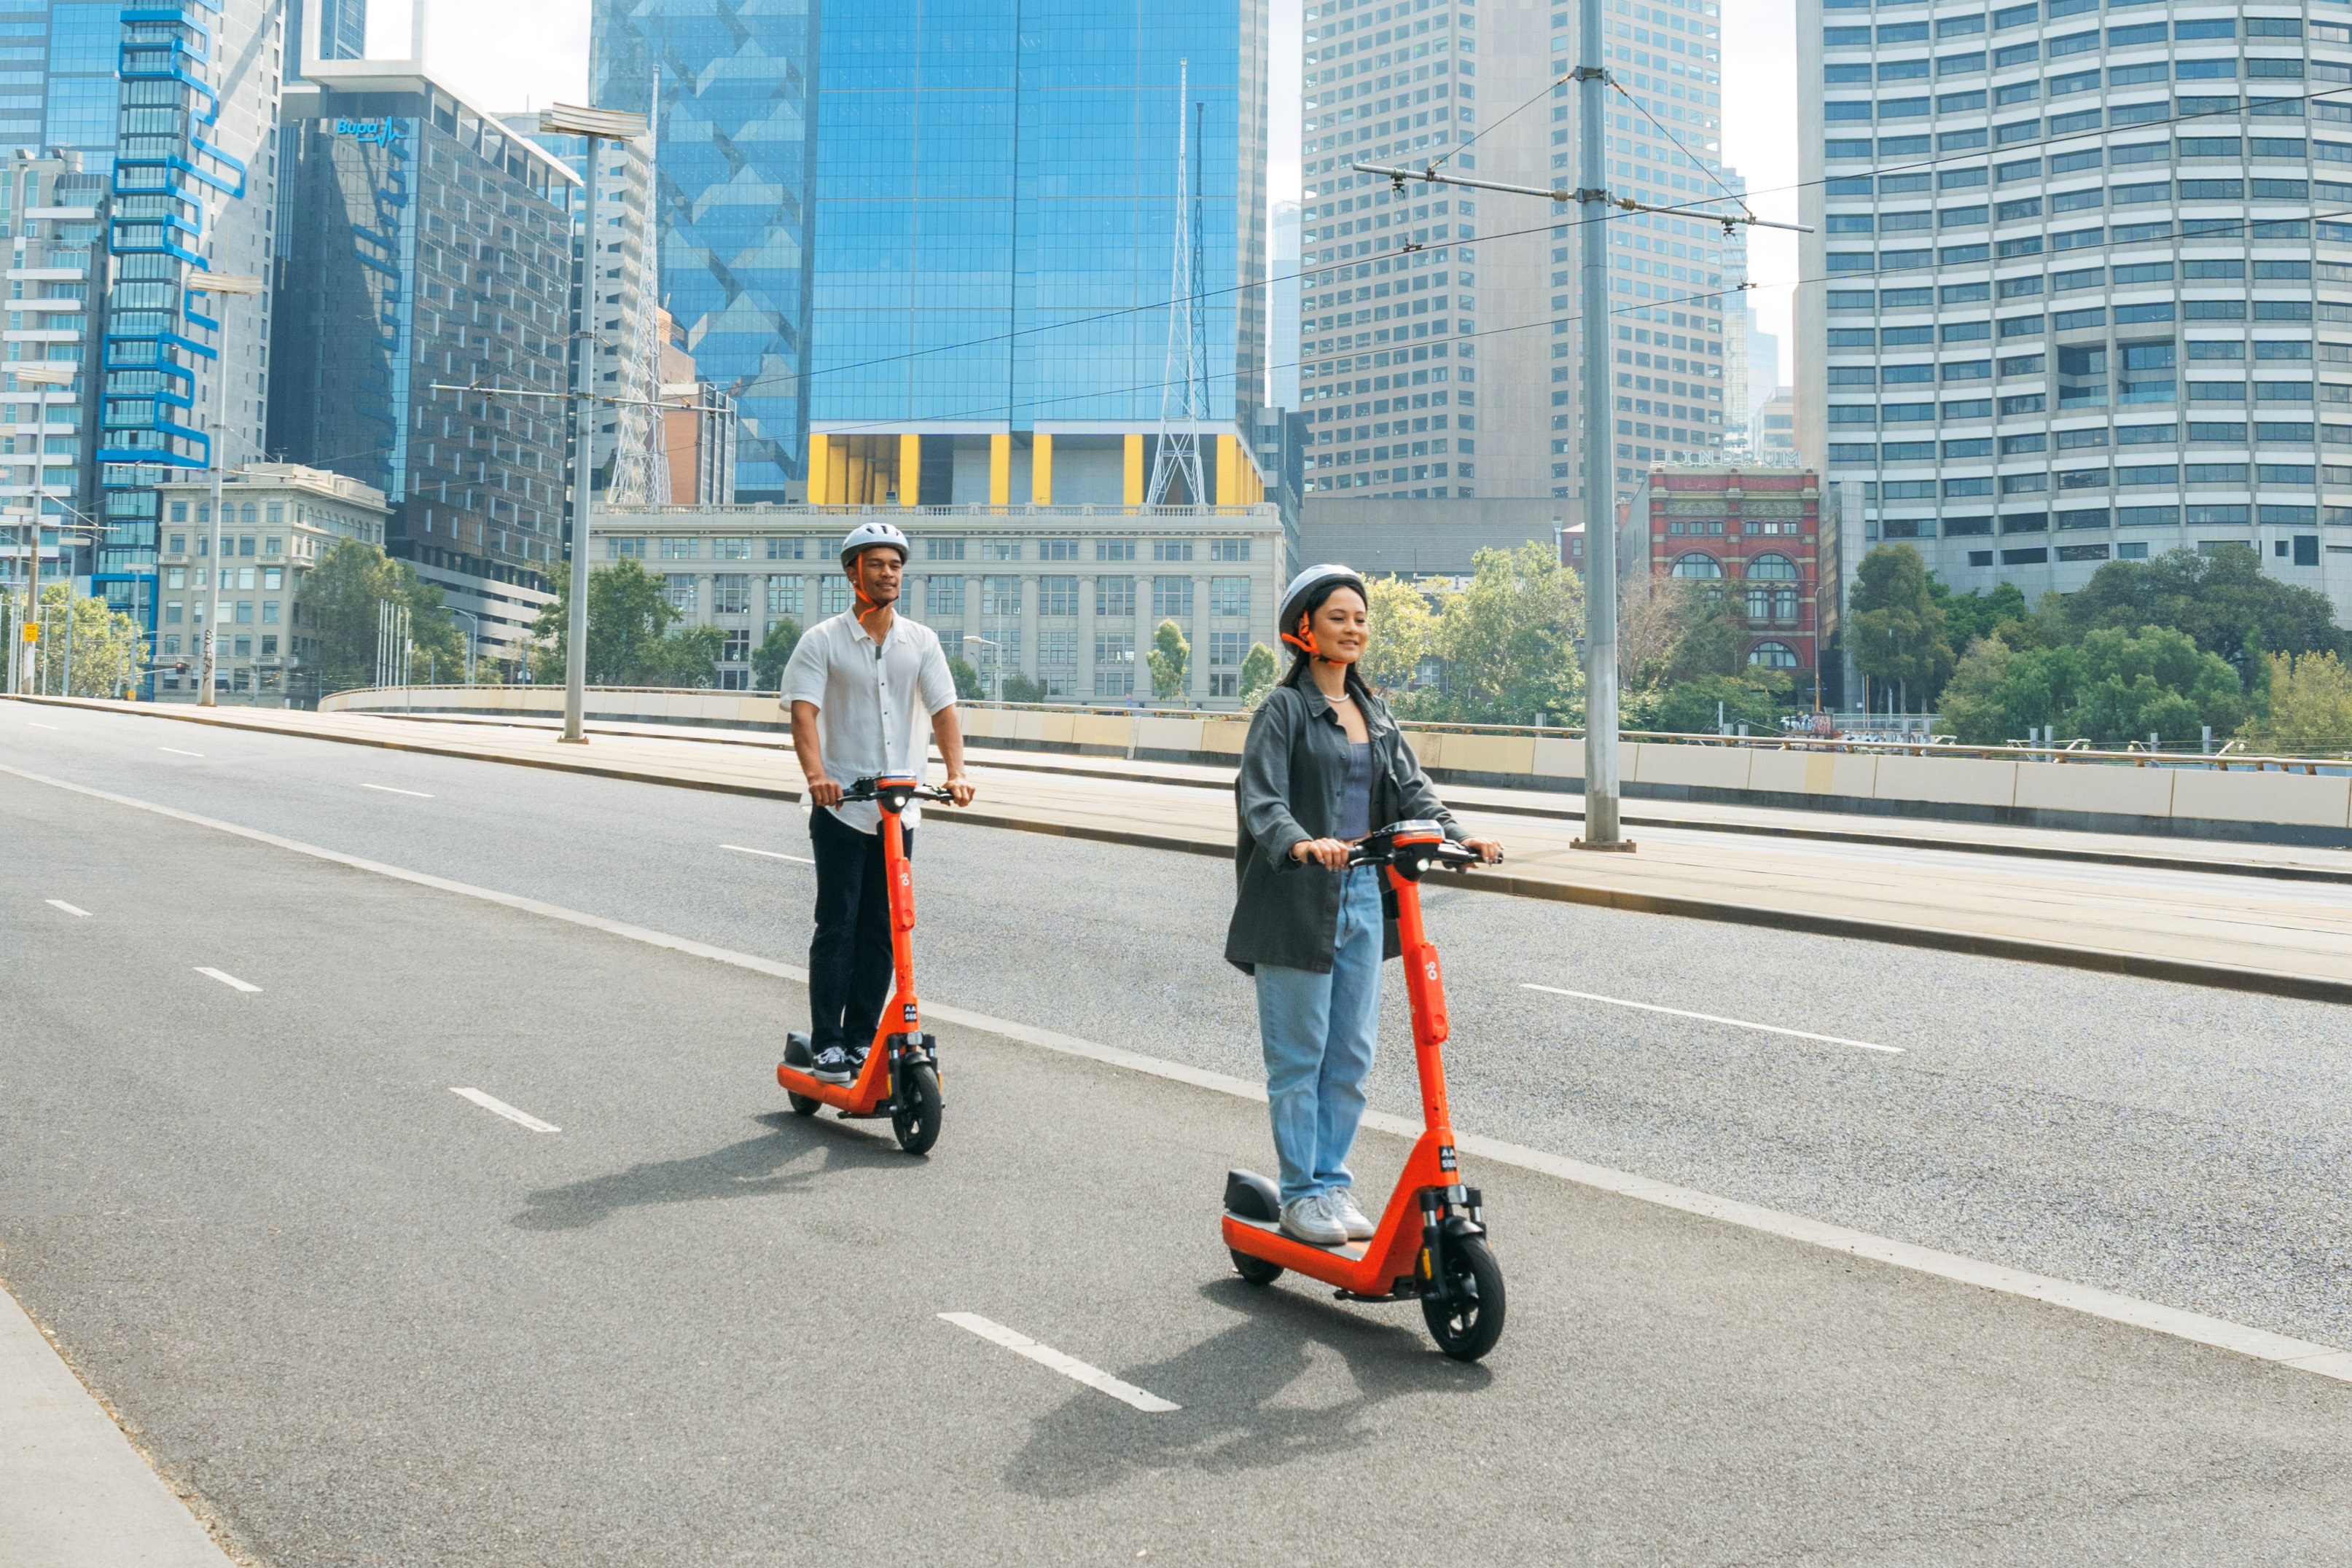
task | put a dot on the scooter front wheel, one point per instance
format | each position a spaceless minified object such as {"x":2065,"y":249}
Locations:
{"x":1465,"y":1317}
{"x":916,"y":1119}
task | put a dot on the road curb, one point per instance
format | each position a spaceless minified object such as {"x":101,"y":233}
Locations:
{"x":2020,"y":949}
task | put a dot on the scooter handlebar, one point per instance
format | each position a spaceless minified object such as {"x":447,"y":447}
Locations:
{"x":868,"y":790}
{"x":1382,"y":849}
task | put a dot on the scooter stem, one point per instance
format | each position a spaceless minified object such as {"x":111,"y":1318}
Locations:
{"x":1426,"y":987}
{"x":899,"y":871}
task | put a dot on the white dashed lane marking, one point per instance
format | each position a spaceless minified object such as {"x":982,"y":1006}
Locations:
{"x":1069,"y":1366}
{"x":497,"y":1107}
{"x":178,"y":752}
{"x":747,"y":850}
{"x":388,"y":789}
{"x":68,"y":909}
{"x":227,"y":979}
{"x":1710,"y":1018}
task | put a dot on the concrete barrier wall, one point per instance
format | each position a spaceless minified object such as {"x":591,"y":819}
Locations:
{"x":2203,"y":801}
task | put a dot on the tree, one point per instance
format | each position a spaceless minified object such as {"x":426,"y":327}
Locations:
{"x":687,"y":657}
{"x":2223,"y":601}
{"x":106,"y":644}
{"x":1652,"y":617}
{"x":2112,"y":687}
{"x":774,"y":651}
{"x":967,"y":679}
{"x":2307,"y":707}
{"x":1509,"y":641}
{"x":1970,"y":617}
{"x":1171,"y":657}
{"x":1020,"y":689}
{"x":1403,"y":632}
{"x":1692,"y":706}
{"x":1258,"y":668}
{"x":629,"y":614}
{"x":1895,"y":627}
{"x":340,"y":599}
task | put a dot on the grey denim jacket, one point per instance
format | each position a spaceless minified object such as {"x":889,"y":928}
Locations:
{"x":1294,"y":771}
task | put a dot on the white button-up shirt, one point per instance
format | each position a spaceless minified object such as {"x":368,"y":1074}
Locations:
{"x":868,"y":701}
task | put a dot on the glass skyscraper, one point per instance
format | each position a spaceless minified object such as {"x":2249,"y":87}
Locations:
{"x":735,"y":163}
{"x":2078,"y":267}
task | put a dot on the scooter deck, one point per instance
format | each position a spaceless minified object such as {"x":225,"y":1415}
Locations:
{"x":1347,"y":1252}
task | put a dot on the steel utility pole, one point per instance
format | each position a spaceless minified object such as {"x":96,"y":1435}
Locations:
{"x":593,"y":127}
{"x":1602,"y":827}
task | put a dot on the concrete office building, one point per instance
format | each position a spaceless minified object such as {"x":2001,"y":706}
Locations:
{"x":1772,"y":439}
{"x":2081,"y":265}
{"x":1069,"y":596}
{"x":1489,"y":326}
{"x":1282,"y":307}
{"x":431,"y":250}
{"x":195,"y":167}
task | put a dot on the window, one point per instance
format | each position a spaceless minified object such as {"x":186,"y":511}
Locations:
{"x":1773,"y":657}
{"x":1171,"y":549}
{"x":1001,"y":596}
{"x":1699,"y":566}
{"x":731,"y":592}
{"x":1113,"y":664}
{"x":680,"y":549}
{"x":1229,"y":550}
{"x":943,"y":597}
{"x":679,"y":588}
{"x":737,"y":649}
{"x":787,"y":550}
{"x":1115,"y":595}
{"x":731,"y":549}
{"x":785,"y":596}
{"x":1058,"y":550}
{"x":831,"y":595}
{"x":943,"y":550}
{"x":624,"y":549}
{"x":1172,"y":597}
{"x":1225,"y":649}
{"x":1001,"y":549}
{"x":1229,"y":596}
{"x":1114,"y":549}
{"x":1058,"y":596}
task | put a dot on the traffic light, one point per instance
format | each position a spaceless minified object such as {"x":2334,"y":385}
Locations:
{"x":181,"y":668}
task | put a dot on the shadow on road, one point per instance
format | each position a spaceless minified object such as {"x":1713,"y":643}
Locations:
{"x":1232,"y":1388}
{"x":750,"y":1168}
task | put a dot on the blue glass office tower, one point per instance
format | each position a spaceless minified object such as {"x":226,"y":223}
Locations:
{"x":997,"y":204}
{"x":735,"y":165}
{"x":342,"y":30}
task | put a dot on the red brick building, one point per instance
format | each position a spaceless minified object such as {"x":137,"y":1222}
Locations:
{"x":1757,"y":533}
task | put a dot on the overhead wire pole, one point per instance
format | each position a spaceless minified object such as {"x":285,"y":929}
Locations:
{"x":1602,"y":827}
{"x":593,"y":126}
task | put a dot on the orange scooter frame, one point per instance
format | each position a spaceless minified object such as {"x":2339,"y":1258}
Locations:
{"x":900,"y":1076}
{"x":1431,"y":1245}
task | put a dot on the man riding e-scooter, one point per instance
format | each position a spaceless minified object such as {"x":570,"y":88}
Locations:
{"x":855,"y":687}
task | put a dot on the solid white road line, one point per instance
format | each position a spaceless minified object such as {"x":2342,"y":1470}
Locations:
{"x":228,"y":980}
{"x":40,"y":725}
{"x":178,"y":752}
{"x":2259,"y":1345}
{"x":747,"y":850}
{"x":68,"y":909}
{"x":390,"y":790}
{"x":500,"y":1108}
{"x":1069,"y":1366}
{"x":1710,"y":1018}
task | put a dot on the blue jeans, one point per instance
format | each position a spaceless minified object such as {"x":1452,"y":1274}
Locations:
{"x":1319,"y":1032}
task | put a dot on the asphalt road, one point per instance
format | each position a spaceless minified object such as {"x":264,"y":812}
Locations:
{"x":371,"y":1322}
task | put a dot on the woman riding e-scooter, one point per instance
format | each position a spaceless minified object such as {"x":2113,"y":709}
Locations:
{"x":1324,"y":765}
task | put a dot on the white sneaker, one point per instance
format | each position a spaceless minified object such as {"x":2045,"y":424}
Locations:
{"x":1341,"y":1205}
{"x":1310,"y":1221}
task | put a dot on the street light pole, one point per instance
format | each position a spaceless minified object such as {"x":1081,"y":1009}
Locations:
{"x":231,"y":285}
{"x":595,"y":127}
{"x":1601,"y":828}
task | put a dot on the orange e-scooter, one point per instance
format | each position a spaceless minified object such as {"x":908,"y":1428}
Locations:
{"x":901,"y":1077}
{"x":1431,"y":1246}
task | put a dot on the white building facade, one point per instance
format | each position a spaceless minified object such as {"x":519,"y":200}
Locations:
{"x":2083,"y":286}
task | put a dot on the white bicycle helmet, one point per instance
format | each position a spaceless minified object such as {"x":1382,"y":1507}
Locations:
{"x":1303,"y":587}
{"x":872,"y":536}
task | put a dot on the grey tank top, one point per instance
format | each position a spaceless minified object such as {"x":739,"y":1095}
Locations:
{"x":1356,"y":800}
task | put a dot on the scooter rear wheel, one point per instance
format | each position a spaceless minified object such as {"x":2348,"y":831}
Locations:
{"x":1467,"y":1319}
{"x":801,"y":1104}
{"x":916,"y":1119}
{"x":1257,"y":1270}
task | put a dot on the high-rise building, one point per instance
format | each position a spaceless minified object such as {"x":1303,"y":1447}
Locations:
{"x":1763,"y":370}
{"x":736,"y":163}
{"x":1442,"y":368}
{"x":342,"y":32}
{"x":64,"y":82}
{"x":426,"y":276}
{"x":195,"y":172}
{"x":998,"y":211}
{"x":1282,"y":309}
{"x":51,"y":216}
{"x":1772,"y":437}
{"x":2079,"y":267}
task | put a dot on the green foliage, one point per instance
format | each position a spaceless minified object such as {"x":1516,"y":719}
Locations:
{"x":1403,"y":632}
{"x":1969,"y":618}
{"x":1020,"y":689}
{"x":1258,"y":670}
{"x":2223,"y":601}
{"x":2112,"y":687}
{"x":2304,"y":707}
{"x":107,"y":646}
{"x":1169,"y":657}
{"x":1690,"y":707}
{"x":339,"y":598}
{"x":1708,"y":639}
{"x":1894,"y":629}
{"x":967,"y":679}
{"x":1509,"y":641}
{"x":774,"y":651}
{"x":629,"y":644}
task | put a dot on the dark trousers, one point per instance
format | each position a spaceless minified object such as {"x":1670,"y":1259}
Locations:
{"x":850,"y":972}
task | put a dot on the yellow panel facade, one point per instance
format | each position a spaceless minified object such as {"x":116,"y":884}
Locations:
{"x":999,"y":470}
{"x":1229,"y":469}
{"x":1040,"y":469}
{"x":911,"y":469}
{"x":820,"y":448}
{"x":1134,"y":490}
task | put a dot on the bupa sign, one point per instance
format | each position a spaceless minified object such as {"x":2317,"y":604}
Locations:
{"x":380,"y":131}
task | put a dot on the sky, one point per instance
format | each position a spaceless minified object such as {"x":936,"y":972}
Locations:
{"x":525,"y":54}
